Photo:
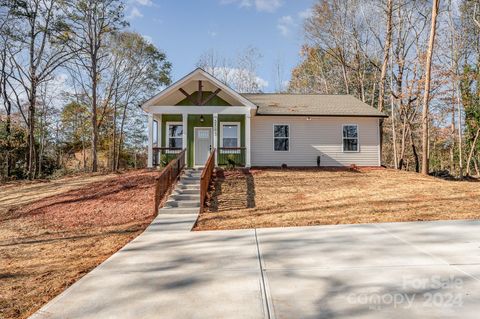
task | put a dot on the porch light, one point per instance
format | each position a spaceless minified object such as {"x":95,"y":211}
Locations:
{"x":309,"y":118}
{"x":202,"y":119}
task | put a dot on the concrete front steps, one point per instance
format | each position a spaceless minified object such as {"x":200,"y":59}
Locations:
{"x":185,"y":199}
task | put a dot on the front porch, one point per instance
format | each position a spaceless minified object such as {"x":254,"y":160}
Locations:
{"x":199,"y":113}
{"x":228,"y":133}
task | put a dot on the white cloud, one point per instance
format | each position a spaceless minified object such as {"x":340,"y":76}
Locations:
{"x":134,"y":13}
{"x":305,"y":14}
{"x":146,"y":3}
{"x":212,"y":34}
{"x":262,"y":83}
{"x":268,"y":5}
{"x":260,"y":5}
{"x":285,"y":25}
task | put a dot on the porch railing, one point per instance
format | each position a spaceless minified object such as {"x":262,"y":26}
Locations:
{"x":231,"y":156}
{"x":205,"y":179}
{"x":163,"y":155}
{"x":164,"y":182}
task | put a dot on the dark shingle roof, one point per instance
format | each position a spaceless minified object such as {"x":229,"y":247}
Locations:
{"x":311,"y":104}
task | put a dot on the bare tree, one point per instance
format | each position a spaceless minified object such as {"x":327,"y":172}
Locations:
{"x":278,"y":76}
{"x":93,"y":21}
{"x":240,"y":74}
{"x":138,"y":68}
{"x":39,"y":31}
{"x":426,"y":94}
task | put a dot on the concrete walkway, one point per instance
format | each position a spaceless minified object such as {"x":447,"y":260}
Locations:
{"x":401,"y":270}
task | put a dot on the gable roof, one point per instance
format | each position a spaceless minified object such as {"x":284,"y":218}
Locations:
{"x":311,"y":105}
{"x":192,"y":76}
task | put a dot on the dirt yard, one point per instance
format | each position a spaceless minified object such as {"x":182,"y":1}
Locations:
{"x":71,"y":226}
{"x":277,"y":198}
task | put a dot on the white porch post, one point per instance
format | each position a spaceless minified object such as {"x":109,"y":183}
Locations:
{"x":150,"y":141}
{"x":159,"y":130}
{"x":215,"y":135}
{"x":184,"y":135}
{"x":247,"y":140}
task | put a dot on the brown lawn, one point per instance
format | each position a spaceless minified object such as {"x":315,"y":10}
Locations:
{"x":277,"y":198}
{"x":70,"y":227}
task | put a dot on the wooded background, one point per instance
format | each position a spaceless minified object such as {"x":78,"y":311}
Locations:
{"x":72,"y":77}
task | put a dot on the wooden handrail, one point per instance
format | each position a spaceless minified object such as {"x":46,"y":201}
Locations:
{"x":169,"y":152}
{"x":165,"y":181}
{"x":167,"y":149}
{"x":205,"y":179}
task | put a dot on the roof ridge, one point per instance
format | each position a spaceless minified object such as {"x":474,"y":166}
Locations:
{"x":304,"y":94}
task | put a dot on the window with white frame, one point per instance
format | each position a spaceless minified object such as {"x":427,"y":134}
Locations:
{"x":281,"y":137}
{"x":174,"y":135}
{"x":230,"y":134}
{"x":155,"y":132}
{"x":350,"y":138}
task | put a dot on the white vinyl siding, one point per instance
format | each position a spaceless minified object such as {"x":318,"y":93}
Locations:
{"x":319,"y":136}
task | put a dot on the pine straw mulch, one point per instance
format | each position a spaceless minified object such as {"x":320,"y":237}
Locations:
{"x":302,"y":197}
{"x":47,"y":245}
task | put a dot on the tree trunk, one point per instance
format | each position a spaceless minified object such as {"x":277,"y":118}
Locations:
{"x":114,"y":138}
{"x":31,"y":131}
{"x":394,"y":137}
{"x":475,"y":164}
{"x":460,"y":145}
{"x":94,"y":115}
{"x":42,"y":141}
{"x":414,"y":151}
{"x":8,"y":131}
{"x":386,"y":51}
{"x":372,"y":101}
{"x":84,"y":155}
{"x":120,"y":141}
{"x":472,"y":149}
{"x":345,"y":78}
{"x":8,"y":127}
{"x":383,"y":73}
{"x":426,"y":94}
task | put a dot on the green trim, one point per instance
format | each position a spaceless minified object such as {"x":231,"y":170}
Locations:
{"x":168,"y":118}
{"x":216,"y":101}
{"x":194,"y":121}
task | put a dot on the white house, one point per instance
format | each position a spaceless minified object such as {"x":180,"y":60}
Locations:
{"x":199,"y":113}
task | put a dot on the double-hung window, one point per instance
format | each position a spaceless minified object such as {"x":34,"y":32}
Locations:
{"x":155,"y":132}
{"x":281,"y":138}
{"x":350,"y":138}
{"x":230,"y":136}
{"x":175,"y":135}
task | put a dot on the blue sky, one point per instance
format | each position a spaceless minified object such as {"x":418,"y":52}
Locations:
{"x":184,"y":29}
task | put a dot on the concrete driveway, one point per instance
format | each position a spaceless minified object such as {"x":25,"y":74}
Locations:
{"x":398,"y":270}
